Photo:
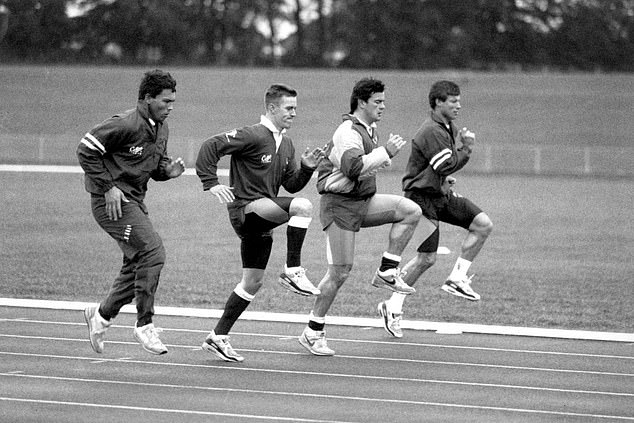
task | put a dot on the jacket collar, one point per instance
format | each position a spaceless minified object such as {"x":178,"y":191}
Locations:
{"x":144,"y":111}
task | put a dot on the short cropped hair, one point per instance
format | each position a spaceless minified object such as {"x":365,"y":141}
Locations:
{"x":363,"y":90}
{"x":276,"y":91}
{"x":441,"y":90}
{"x":154,"y":82}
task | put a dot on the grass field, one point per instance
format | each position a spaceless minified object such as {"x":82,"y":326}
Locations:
{"x":52,"y":107}
{"x":560,"y":255}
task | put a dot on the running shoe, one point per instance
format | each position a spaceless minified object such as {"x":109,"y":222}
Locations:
{"x":392,"y":279}
{"x":391,"y":321}
{"x":461,"y":289}
{"x":219,"y":345}
{"x":294,"y":279}
{"x":148,"y":337}
{"x":97,"y":327}
{"x":315,"y":342}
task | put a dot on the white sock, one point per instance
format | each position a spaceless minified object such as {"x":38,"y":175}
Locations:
{"x":242,"y":293}
{"x":460,"y":269}
{"x":395,"y":303}
{"x":291,"y":270}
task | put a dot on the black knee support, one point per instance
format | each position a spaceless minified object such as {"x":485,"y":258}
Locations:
{"x":256,"y":250}
{"x":430,"y":245}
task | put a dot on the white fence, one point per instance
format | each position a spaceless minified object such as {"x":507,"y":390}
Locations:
{"x":511,"y":159}
{"x":553,"y":160}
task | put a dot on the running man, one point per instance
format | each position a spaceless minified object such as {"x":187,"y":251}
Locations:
{"x":349,"y":202}
{"x":119,"y":156}
{"x":427,"y":181}
{"x":262,"y":161}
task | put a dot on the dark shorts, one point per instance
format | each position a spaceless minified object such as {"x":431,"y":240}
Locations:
{"x":259,"y":216}
{"x":450,"y":208}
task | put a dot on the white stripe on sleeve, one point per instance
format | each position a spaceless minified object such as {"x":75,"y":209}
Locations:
{"x":440,"y":158}
{"x":95,"y":142}
{"x":89,"y":145}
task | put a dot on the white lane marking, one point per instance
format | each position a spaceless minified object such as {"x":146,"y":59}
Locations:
{"x":294,"y":394}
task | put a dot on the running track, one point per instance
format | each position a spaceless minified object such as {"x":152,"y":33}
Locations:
{"x":48,"y":373}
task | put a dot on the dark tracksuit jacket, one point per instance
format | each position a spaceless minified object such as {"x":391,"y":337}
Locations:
{"x":126,"y":151}
{"x":434,"y":156}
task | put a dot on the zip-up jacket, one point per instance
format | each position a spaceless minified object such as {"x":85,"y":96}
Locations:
{"x":352,"y":160}
{"x":125,"y":151}
{"x":434,"y":156}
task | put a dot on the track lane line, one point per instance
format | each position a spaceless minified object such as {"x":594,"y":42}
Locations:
{"x":304,"y":395}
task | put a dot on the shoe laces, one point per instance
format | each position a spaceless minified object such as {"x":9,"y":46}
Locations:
{"x":320,"y":339}
{"x":398,"y":274}
{"x":393,"y":273}
{"x":224,"y":340}
{"x":153,"y":334}
{"x":227,"y":346}
{"x":315,"y":335}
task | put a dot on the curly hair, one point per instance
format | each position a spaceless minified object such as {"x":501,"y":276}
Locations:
{"x":154,"y":82}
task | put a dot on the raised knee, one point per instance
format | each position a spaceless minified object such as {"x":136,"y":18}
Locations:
{"x":411,"y":210}
{"x":302,"y":207}
{"x":487,"y":225}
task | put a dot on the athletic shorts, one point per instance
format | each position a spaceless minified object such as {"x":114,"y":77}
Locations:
{"x":346,"y":212}
{"x":450,"y":208}
{"x":342,"y":217}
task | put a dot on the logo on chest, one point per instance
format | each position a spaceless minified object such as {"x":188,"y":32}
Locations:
{"x":266,"y":158}
{"x":136,"y":151}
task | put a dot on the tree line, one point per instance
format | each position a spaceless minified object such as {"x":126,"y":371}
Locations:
{"x":586,"y":35}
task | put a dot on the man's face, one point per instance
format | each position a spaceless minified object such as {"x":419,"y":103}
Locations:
{"x":449,"y":108}
{"x":161,"y":105}
{"x":282,"y":114}
{"x":373,"y":109}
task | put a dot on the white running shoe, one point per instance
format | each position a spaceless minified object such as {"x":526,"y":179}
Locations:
{"x":97,"y":327}
{"x":294,"y":279}
{"x":148,"y":337}
{"x":392,"y":279}
{"x":461,"y":289}
{"x":219,"y":345}
{"x":391,"y":321}
{"x":315,"y":342}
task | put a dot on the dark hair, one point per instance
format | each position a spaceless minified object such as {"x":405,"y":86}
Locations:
{"x":363,"y":90}
{"x":441,"y":90}
{"x":154,"y":82}
{"x":276,"y":92}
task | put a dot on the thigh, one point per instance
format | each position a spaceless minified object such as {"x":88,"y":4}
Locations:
{"x":267,"y":213}
{"x":339,"y":245}
{"x":382,"y":209}
{"x":429,"y":205}
{"x":459,"y":211}
{"x":133,"y":232}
